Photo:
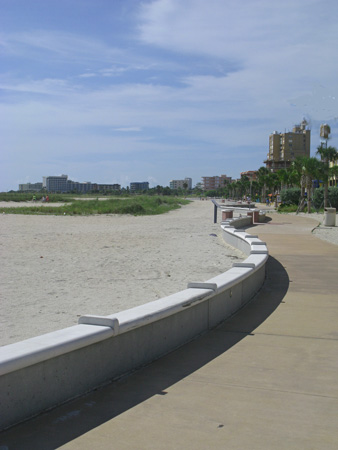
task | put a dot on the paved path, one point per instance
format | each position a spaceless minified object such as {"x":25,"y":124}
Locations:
{"x":266,"y":379}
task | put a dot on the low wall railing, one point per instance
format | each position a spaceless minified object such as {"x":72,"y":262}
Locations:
{"x":45,"y":371}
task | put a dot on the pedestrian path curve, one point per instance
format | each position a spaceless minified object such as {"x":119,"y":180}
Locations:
{"x":265,"y":379}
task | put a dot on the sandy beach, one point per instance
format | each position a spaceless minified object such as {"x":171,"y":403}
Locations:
{"x":56,"y":268}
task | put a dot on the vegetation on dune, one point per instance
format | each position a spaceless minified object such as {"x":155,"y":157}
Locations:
{"x":28,"y":196}
{"x":136,"y":206}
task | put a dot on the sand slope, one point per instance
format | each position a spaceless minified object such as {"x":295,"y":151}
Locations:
{"x":56,"y":268}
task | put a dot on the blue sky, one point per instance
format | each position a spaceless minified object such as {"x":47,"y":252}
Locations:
{"x":115,"y":91}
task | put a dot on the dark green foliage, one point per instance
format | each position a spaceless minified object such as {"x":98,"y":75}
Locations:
{"x":318,"y":197}
{"x":290,"y":196}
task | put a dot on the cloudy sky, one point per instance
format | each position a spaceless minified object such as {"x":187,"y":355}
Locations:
{"x":114,"y":91}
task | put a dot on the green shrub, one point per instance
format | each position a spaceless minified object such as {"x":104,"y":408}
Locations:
{"x":318,"y":197}
{"x":333,"y":196}
{"x":290,"y":196}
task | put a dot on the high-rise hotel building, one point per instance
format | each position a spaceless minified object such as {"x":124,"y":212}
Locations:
{"x":286,"y":147}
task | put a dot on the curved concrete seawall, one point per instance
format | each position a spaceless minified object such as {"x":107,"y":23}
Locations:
{"x":42,"y":372}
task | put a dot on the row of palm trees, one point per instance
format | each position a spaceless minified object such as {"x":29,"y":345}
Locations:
{"x":301,"y":174}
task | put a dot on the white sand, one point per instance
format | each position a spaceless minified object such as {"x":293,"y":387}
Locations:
{"x":56,"y":268}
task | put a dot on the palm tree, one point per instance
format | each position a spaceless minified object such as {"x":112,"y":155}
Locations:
{"x":296,"y":173}
{"x":305,"y":170}
{"x":284,"y":176}
{"x":245,"y":185}
{"x":311,"y":169}
{"x":327,"y":154}
{"x":254,"y":188}
{"x":273,"y":183}
{"x":294,"y":177}
{"x":262,"y":175}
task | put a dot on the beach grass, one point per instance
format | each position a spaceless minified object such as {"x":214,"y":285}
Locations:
{"x":136,"y":206}
{"x":28,"y":196}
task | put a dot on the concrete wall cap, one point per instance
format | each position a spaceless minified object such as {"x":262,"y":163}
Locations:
{"x":102,"y":321}
{"x":47,"y":346}
{"x":150,"y":312}
{"x":202,"y":285}
{"x":244,"y":264}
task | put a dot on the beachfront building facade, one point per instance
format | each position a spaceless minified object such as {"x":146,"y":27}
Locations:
{"x":251,"y":174}
{"x":30,"y":187}
{"x":215,"y":182}
{"x":181,"y":184}
{"x":138,"y":186}
{"x":105,"y":187}
{"x":55,"y":183}
{"x":284,"y":148}
{"x":61,"y":184}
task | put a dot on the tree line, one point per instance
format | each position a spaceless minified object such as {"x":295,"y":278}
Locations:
{"x":301,"y":174}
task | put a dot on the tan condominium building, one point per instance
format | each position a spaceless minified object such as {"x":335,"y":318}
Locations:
{"x":181,"y":184}
{"x":251,"y":174}
{"x":286,"y":147}
{"x":215,"y":182}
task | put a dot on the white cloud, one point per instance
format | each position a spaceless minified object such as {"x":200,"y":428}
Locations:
{"x":282,"y":49}
{"x":61,"y":45}
{"x":201,"y":82}
{"x":128,"y":129}
{"x":48,"y":86}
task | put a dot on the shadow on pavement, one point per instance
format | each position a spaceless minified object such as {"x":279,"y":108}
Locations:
{"x":69,"y":421}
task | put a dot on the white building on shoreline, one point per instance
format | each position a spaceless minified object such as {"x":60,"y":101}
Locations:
{"x":181,"y":184}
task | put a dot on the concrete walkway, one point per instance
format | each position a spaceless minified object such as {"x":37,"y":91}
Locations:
{"x":266,"y":379}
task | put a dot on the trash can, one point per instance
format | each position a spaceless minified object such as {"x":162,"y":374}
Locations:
{"x":329,"y":217}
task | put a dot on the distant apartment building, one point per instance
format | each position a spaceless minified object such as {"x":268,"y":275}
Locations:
{"x":61,"y":184}
{"x":251,"y":174}
{"x":75,"y":186}
{"x":30,"y":187}
{"x":181,"y":184}
{"x":56,"y":183}
{"x":106,"y":187}
{"x":286,"y":147}
{"x":215,"y":182}
{"x":139,"y":186}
